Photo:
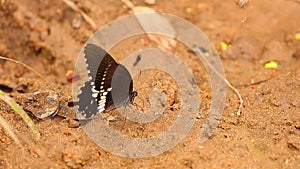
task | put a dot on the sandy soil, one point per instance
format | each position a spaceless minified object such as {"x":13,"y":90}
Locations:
{"x":43,"y":34}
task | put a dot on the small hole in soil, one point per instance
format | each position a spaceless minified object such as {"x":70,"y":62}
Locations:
{"x":5,"y":88}
{"x":71,"y":104}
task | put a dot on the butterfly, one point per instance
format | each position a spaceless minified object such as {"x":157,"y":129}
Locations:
{"x":110,"y":85}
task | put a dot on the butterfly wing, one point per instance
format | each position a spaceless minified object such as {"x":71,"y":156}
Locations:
{"x":109,"y":85}
{"x":121,"y":88}
{"x":87,"y":105}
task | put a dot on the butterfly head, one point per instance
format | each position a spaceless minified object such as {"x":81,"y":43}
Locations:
{"x":133,"y":95}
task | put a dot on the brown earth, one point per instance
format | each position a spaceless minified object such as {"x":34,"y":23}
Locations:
{"x":45,"y":35}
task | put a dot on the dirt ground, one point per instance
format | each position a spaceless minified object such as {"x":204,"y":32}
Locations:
{"x":46,"y":35}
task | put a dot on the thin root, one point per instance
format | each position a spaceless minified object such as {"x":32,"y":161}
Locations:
{"x":238,"y":94}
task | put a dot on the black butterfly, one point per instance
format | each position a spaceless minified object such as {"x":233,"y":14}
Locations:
{"x":109,"y":86}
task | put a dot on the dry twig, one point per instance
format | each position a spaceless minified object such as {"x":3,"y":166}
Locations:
{"x":87,"y":18}
{"x":242,"y":4}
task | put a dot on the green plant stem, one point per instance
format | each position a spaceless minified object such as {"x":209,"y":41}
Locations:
{"x":21,"y":112}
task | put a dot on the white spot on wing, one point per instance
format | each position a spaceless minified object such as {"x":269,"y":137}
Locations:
{"x":94,"y":95}
{"x":94,"y":90}
{"x":101,"y":106}
{"x":102,"y":101}
{"x":101,"y":110}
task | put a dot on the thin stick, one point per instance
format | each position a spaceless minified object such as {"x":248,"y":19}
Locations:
{"x":128,"y":4}
{"x":259,"y":82}
{"x":8,"y":129}
{"x":298,"y":2}
{"x":226,"y":81}
{"x":23,"y":64}
{"x":88,"y":19}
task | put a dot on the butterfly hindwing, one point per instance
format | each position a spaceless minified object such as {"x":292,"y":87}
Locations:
{"x":87,"y":105}
{"x":121,"y":86}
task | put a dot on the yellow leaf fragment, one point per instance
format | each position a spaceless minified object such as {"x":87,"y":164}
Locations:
{"x":297,"y":36}
{"x":224,"y":46}
{"x":271,"y":65}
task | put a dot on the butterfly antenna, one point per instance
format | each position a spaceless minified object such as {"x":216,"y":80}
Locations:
{"x":137,"y":81}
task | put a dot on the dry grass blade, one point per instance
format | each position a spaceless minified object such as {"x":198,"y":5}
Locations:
{"x":21,"y":112}
{"x":14,"y":105}
{"x":23,"y":64}
{"x":88,"y":19}
{"x":8,"y":129}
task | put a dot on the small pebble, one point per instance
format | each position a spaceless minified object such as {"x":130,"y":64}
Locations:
{"x":72,"y":123}
{"x":77,"y":22}
{"x":188,"y":10}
